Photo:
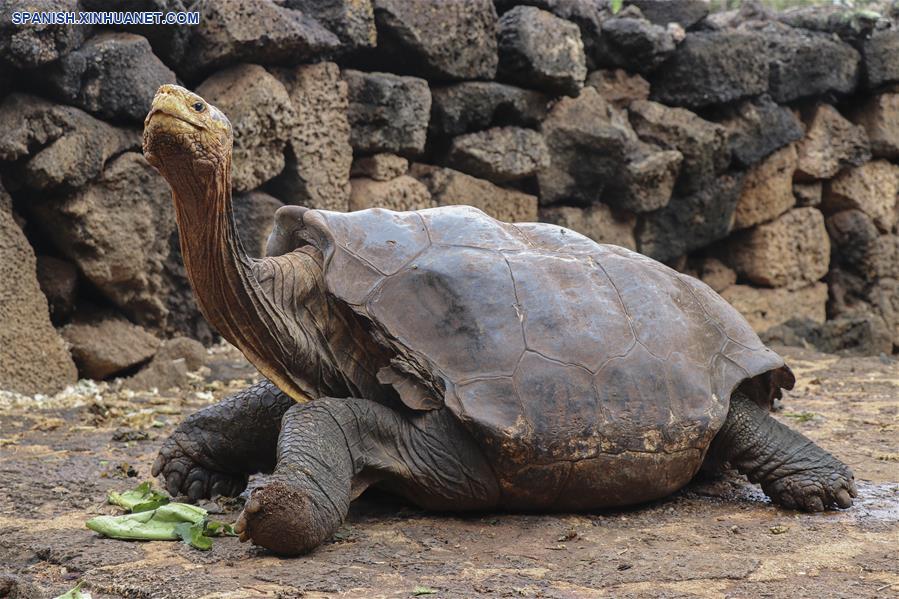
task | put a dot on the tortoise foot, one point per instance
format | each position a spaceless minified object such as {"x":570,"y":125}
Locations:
{"x":814,"y":490}
{"x":186,"y":471}
{"x":281,"y":517}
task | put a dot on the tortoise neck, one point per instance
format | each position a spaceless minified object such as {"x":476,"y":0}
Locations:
{"x":220,"y":271}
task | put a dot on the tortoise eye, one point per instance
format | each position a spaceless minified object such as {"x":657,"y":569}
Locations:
{"x":199,"y":106}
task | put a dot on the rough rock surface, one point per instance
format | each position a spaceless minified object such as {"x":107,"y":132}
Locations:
{"x":380,"y":167}
{"x":353,"y":21}
{"x":872,"y":188}
{"x":67,"y":147}
{"x":117,"y":231}
{"x":599,"y":222}
{"x":170,"y":366}
{"x":712,"y":68}
{"x":447,"y":40}
{"x":262,"y":117}
{"x":32,"y":46}
{"x":690,"y":222}
{"x":169,"y":43}
{"x":387,"y":113}
{"x":114,"y":75}
{"x":881,"y":58}
{"x":449,"y":187}
{"x":476,"y":105}
{"x":254,"y":214}
{"x":767,"y":189}
{"x":401,"y":193}
{"x":766,"y":308}
{"x":759,"y":127}
{"x":500,"y":154}
{"x":855,"y":334}
{"x":256,"y":31}
{"x":702,"y":143}
{"x":33,"y":358}
{"x":714,"y":273}
{"x":804,"y":64}
{"x":59,"y":283}
{"x":619,"y":87}
{"x":595,"y":155}
{"x":831,"y":143}
{"x":317,"y":167}
{"x":538,"y":49}
{"x":808,"y":194}
{"x":661,"y":12}
{"x":790,"y":252}
{"x":104,"y":344}
{"x":879,"y":115}
{"x":633,"y":43}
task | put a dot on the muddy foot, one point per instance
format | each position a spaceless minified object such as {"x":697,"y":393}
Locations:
{"x":187,"y":472}
{"x":814,"y":490}
{"x":281,"y":517}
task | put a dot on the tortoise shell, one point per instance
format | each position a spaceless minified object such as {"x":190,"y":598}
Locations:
{"x":547,"y":345}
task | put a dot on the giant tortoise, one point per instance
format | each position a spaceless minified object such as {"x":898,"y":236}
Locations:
{"x":460,"y":362}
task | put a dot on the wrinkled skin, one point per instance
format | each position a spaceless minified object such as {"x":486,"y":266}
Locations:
{"x":319,"y":455}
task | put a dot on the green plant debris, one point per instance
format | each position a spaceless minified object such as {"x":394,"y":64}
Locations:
{"x":800,"y":416}
{"x":154,"y":518}
{"x":141,"y":499}
{"x":75,"y":593}
{"x":423,"y":590}
{"x":616,"y":6}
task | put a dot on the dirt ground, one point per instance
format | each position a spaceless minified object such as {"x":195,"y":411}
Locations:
{"x":716,"y":538}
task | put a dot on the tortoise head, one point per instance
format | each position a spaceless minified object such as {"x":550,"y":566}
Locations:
{"x":183,"y":133}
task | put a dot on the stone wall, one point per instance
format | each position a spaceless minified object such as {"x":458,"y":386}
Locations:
{"x":755,"y":150}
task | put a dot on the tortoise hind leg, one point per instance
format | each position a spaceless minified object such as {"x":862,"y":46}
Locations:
{"x":330,"y":450}
{"x":215,"y":449}
{"x":792,"y":470}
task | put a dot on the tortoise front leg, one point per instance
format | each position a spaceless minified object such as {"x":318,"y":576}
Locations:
{"x":330,"y":450}
{"x":792,"y":470}
{"x":214,"y":450}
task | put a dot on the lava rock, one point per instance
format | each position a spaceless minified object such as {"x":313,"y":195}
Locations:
{"x":168,"y":42}
{"x":116,"y":230}
{"x":387,"y":113}
{"x":596,"y":156}
{"x":114,"y":75}
{"x":759,"y":127}
{"x":702,"y":143}
{"x":765,"y":308}
{"x":803,"y":64}
{"x":690,"y":222}
{"x":500,"y":154}
{"x":402,"y":193}
{"x":449,"y":187}
{"x":317,"y":167}
{"x":880,"y":53}
{"x":446,"y":40}
{"x":538,"y":49}
{"x":254,"y":215}
{"x":618,"y":87}
{"x":104,"y":344}
{"x":791,"y":251}
{"x":33,"y":357}
{"x":353,"y":21}
{"x":849,"y":335}
{"x":831,"y":144}
{"x":598,"y":222}
{"x":633,"y":43}
{"x":879,"y":115}
{"x":661,"y":12}
{"x":262,"y":118}
{"x":713,"y":68}
{"x":59,"y":283}
{"x":477,"y":105}
{"x":713,"y":272}
{"x":67,"y":147}
{"x":257,"y":31}
{"x":170,"y":366}
{"x":872,"y":188}
{"x":808,"y":194}
{"x":767,"y":189}
{"x":854,"y":237}
{"x":380,"y":167}
{"x":30,"y":46}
